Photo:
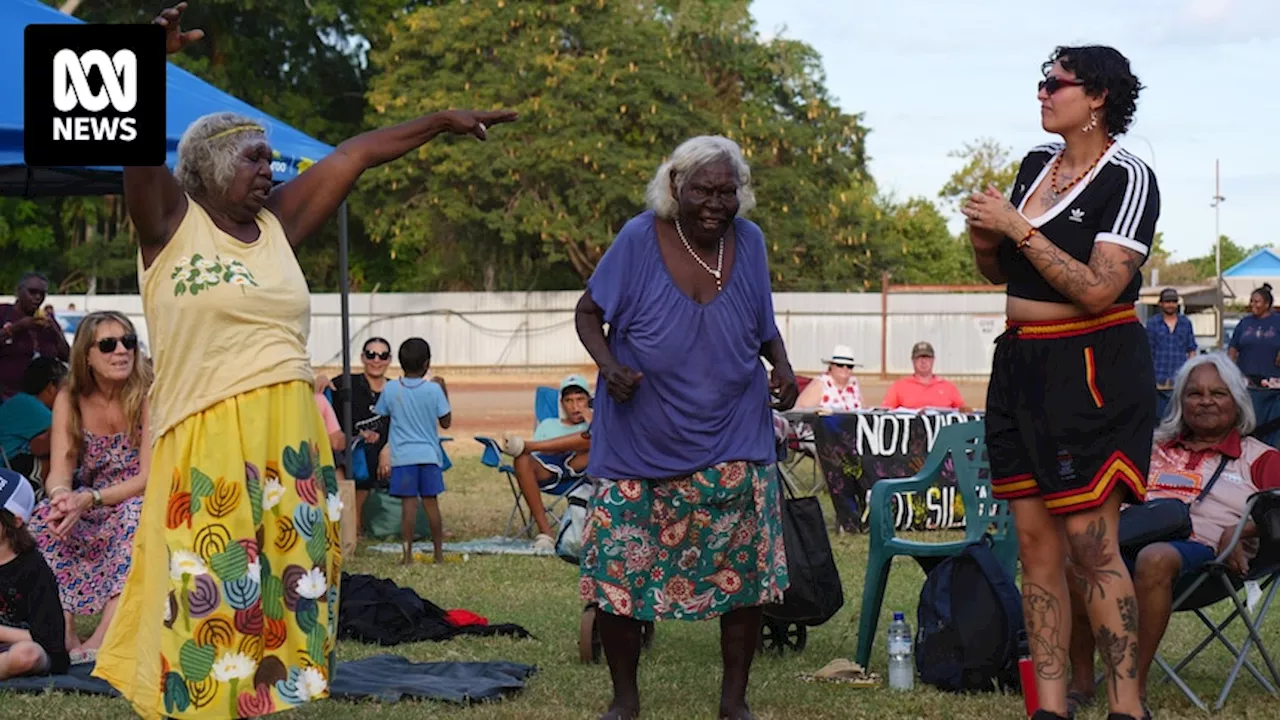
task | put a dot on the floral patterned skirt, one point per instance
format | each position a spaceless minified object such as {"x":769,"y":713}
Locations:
{"x":230,"y":609}
{"x":91,"y":564}
{"x":690,"y":548}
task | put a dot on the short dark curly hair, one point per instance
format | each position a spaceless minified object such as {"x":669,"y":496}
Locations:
{"x":1102,"y":69}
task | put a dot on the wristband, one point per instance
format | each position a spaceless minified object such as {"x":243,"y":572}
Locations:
{"x":54,"y":492}
{"x":97,"y":497}
{"x":1026,"y":239}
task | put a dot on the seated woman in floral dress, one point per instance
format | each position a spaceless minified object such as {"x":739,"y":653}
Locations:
{"x":97,"y":472}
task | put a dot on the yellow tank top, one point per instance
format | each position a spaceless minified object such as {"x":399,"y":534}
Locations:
{"x":224,"y":317}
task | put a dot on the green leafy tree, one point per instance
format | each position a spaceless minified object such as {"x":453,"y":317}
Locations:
{"x":918,"y":249}
{"x":986,"y":163}
{"x":1232,"y":253}
{"x":605,"y":91}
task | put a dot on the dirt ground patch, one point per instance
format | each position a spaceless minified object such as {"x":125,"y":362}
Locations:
{"x":490,"y":404}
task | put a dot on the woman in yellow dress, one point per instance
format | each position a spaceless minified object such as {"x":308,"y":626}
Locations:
{"x":230,"y":609}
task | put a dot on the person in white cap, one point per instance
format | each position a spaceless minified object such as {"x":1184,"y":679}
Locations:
{"x":559,"y":450}
{"x":32,"y":635}
{"x":837,"y":390}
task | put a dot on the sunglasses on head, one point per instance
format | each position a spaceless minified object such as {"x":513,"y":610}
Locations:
{"x":1053,"y":84}
{"x":371,"y":355}
{"x":108,"y":344}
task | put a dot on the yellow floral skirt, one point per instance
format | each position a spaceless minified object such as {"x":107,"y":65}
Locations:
{"x":231,"y":607}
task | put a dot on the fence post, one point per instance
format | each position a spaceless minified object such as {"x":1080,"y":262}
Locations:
{"x":884,"y":325}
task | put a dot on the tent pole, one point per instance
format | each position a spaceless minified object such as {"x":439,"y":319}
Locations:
{"x":345,"y":291}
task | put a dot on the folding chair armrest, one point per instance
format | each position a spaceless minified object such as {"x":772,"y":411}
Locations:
{"x":492,"y":455}
{"x":1237,"y":534}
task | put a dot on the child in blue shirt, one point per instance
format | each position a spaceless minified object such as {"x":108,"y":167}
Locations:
{"x":415,"y":405}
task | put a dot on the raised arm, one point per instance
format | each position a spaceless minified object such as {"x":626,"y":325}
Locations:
{"x":152,"y":195}
{"x":306,"y":202}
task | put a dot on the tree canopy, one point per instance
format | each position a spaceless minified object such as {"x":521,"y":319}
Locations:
{"x":606,"y":90}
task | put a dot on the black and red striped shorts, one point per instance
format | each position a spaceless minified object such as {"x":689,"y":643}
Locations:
{"x":1071,"y":409}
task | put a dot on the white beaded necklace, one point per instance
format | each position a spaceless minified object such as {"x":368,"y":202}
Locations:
{"x":719,"y":256}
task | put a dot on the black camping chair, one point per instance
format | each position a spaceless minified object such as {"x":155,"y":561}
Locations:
{"x":1215,"y":582}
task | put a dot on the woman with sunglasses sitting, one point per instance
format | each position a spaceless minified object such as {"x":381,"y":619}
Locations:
{"x":837,"y":389}
{"x":371,"y":428}
{"x":1071,"y":406}
{"x":98,"y":469}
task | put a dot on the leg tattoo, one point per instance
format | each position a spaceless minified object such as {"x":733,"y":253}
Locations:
{"x":1043,"y":633}
{"x":1090,"y":558}
{"x":1114,"y":649}
{"x":1128,"y":613}
{"x":1129,"y":622}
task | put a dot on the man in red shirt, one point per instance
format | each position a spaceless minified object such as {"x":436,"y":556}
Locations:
{"x":924,"y":390}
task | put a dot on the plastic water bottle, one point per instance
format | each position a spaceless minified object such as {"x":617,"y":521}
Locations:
{"x":902,"y":671}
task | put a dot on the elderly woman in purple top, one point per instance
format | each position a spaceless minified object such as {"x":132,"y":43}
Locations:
{"x":685,"y":521}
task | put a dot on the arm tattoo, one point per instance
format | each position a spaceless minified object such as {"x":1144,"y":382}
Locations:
{"x":1075,"y":279}
{"x":1090,"y":558}
{"x":1043,"y":616}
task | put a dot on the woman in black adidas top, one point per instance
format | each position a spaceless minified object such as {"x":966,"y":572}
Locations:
{"x":1071,"y":404}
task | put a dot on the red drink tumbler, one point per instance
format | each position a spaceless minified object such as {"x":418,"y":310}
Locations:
{"x":1027,"y":673}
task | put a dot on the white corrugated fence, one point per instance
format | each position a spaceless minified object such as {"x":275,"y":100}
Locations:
{"x":508,"y":330}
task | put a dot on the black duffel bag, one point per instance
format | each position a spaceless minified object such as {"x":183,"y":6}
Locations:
{"x":815,"y":594}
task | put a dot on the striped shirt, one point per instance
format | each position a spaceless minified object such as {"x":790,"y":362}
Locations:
{"x":1118,"y":202}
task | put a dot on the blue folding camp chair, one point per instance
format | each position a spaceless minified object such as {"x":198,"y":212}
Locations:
{"x":546,"y":404}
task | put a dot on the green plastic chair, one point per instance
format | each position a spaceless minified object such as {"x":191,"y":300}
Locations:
{"x":966,"y":444}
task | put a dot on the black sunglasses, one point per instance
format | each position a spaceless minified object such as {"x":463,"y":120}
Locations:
{"x":108,"y":344}
{"x":1053,"y":84}
{"x":371,"y":355}
{"x":842,"y":365}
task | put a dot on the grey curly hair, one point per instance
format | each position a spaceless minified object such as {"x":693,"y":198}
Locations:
{"x":208,"y":149}
{"x":1246,"y":420}
{"x":691,"y":156}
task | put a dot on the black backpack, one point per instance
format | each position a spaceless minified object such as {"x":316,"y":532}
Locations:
{"x":969,"y":624}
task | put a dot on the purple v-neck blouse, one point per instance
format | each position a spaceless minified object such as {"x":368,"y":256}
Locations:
{"x":704,"y":398}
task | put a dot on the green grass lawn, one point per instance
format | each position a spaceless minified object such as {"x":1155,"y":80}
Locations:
{"x":680,"y":674}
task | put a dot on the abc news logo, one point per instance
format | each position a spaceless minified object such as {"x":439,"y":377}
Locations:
{"x":94,"y":95}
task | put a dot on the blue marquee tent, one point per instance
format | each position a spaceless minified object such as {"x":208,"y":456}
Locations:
{"x":188,"y":96}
